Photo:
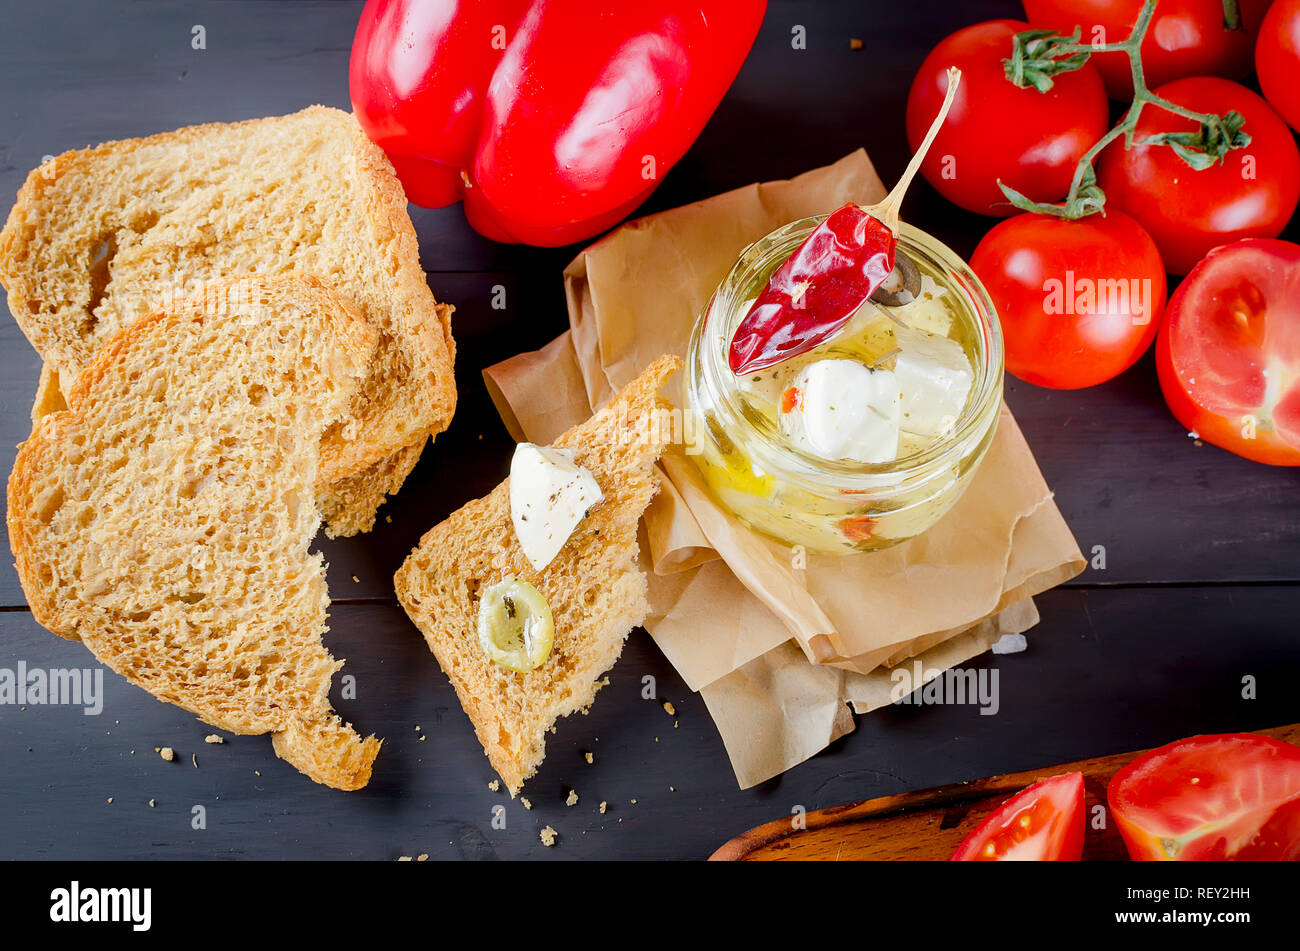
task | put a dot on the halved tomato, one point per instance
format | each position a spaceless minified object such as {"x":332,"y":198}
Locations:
{"x":1043,"y":823}
{"x":1221,"y":796}
{"x":1228,"y":354}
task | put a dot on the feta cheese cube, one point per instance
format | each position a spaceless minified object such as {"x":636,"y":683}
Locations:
{"x":935,"y":377}
{"x":843,"y":409}
{"x":549,"y":495}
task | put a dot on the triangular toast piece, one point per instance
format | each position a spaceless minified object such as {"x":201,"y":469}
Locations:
{"x":596,"y":591}
{"x":100,"y":237}
{"x":165,"y":517}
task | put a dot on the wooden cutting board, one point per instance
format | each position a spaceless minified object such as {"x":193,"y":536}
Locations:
{"x":929,"y":824}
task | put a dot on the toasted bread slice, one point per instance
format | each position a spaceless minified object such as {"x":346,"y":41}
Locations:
{"x":100,"y":237}
{"x":596,"y":591}
{"x":165,"y":518}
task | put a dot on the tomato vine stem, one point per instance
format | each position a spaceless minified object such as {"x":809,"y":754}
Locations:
{"x":1038,"y":55}
{"x":1231,"y":15}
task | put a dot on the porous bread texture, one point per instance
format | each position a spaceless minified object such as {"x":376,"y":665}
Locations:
{"x":100,"y":237}
{"x":596,"y":591}
{"x":49,"y":398}
{"x":165,"y":518}
{"x":347,"y":506}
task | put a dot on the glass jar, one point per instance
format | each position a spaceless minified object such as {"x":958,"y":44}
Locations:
{"x":826,"y":506}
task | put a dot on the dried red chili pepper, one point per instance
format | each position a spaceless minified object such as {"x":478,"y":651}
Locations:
{"x":829,"y":276}
{"x":817,"y":289}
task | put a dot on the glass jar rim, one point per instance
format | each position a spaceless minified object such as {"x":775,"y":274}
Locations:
{"x":776,"y":452}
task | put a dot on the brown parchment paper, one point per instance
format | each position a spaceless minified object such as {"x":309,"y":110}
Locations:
{"x":780,"y":650}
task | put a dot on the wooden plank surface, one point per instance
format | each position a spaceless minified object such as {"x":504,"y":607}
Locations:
{"x":929,"y":824}
{"x":1201,"y":585}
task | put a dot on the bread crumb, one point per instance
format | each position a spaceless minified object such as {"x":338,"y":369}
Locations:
{"x":676,"y":724}
{"x":855,"y":43}
{"x":417,"y":728}
{"x":572,"y":799}
{"x":670,"y":709}
{"x":194,"y":758}
{"x":166,"y":752}
{"x":672,"y":789}
{"x":589,"y":758}
{"x":634,"y":802}
{"x":403,"y":858}
{"x":388,"y":519}
{"x":257,"y":772}
{"x":422,"y":857}
{"x":524,"y":800}
{"x":213,"y":738}
{"x":423,"y":737}
{"x":110,"y":800}
{"x":150,"y":803}
{"x":356,"y":580}
{"x":603,"y":806}
{"x":495,"y":785}
{"x":547,"y":835}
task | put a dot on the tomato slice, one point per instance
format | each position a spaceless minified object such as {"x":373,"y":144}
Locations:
{"x":1043,"y":823}
{"x":1216,"y":797}
{"x":1228,"y":354}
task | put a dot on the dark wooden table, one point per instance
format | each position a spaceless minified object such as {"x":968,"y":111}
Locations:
{"x":1201,"y":585}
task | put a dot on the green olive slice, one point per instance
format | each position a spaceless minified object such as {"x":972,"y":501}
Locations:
{"x":515,"y":626}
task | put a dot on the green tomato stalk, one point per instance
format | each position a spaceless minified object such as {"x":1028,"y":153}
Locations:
{"x":1038,"y":55}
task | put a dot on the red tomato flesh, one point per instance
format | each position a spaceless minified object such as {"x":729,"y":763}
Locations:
{"x":1029,"y":140}
{"x":1252,"y":193}
{"x":1232,"y":796}
{"x":1277,"y":59}
{"x":1043,"y":823}
{"x":1185,"y":37}
{"x":1079,"y":301}
{"x":1228,"y":354}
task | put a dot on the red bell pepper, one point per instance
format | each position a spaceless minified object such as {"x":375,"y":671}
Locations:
{"x":552,"y":119}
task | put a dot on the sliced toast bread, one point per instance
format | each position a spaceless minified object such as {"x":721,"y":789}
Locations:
{"x":100,"y":237}
{"x":165,"y":517}
{"x":347,"y":506}
{"x":596,"y":591}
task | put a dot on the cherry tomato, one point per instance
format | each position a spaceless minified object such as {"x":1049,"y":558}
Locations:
{"x":1185,"y":37}
{"x":1030,"y":140}
{"x":1277,"y":59}
{"x":1043,"y":823}
{"x":1228,"y":354}
{"x":1252,"y":193}
{"x":1219,"y":797}
{"x":1079,"y":301}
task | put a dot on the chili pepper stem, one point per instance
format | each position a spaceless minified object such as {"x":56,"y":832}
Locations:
{"x":886,"y":211}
